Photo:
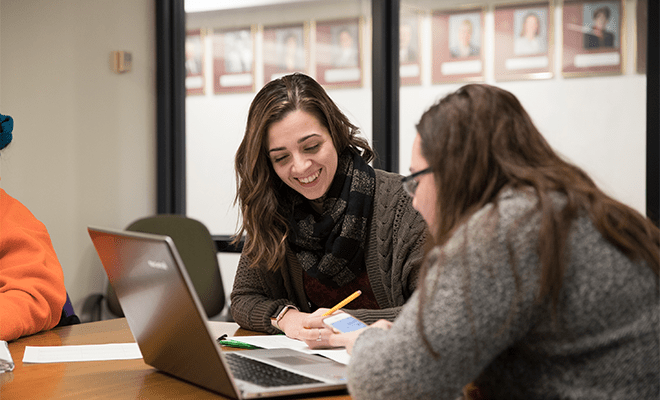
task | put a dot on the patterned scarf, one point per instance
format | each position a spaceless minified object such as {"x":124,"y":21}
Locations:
{"x":330,"y":246}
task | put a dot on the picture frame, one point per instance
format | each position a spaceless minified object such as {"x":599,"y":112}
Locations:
{"x":233,"y":60}
{"x":593,"y":32}
{"x":458,"y":45}
{"x":194,"y":64}
{"x":410,"y":48}
{"x":523,"y":49}
{"x":285,"y":50}
{"x":641,"y":35}
{"x":338,"y":48}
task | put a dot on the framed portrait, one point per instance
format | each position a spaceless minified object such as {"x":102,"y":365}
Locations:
{"x":285,"y":50}
{"x":524,"y":41}
{"x":410,"y":64}
{"x":339,"y":53}
{"x":458,"y":41}
{"x":641,"y":21}
{"x":233,"y":60}
{"x":194,"y":49}
{"x":593,"y":37}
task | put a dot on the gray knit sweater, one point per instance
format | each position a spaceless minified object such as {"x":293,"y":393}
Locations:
{"x":393,"y":257}
{"x":606,"y":346}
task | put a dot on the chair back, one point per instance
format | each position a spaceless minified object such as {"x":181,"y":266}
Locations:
{"x":68,"y":316}
{"x":198,"y":252}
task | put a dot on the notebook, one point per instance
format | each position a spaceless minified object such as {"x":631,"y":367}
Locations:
{"x":170,"y":326}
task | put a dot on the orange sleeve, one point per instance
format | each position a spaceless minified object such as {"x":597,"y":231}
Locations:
{"x":32,"y":291}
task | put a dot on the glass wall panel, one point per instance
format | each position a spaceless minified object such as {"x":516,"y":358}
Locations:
{"x":587,"y":96}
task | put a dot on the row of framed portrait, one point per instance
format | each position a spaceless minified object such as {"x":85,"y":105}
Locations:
{"x":592,"y":30}
{"x":286,"y":49}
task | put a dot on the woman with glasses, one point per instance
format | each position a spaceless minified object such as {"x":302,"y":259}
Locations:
{"x":540,"y":286}
{"x":320,"y":222}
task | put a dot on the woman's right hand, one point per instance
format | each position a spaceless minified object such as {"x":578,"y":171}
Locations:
{"x":347,"y":340}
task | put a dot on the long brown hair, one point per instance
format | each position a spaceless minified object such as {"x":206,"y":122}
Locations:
{"x":479,"y":140}
{"x":257,"y":183}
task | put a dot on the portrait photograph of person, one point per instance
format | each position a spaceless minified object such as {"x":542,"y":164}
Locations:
{"x":284,"y":50}
{"x":194,"y":53}
{"x":338,"y":46}
{"x":601,"y":25}
{"x":345,"y":46}
{"x":465,"y":35}
{"x":592,"y":32}
{"x":238,"y":54}
{"x":233,"y":60}
{"x":530,"y":27}
{"x":457,"y":46}
{"x":409,"y":49}
{"x":522,"y":48}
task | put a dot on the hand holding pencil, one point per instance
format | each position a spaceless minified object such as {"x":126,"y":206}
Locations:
{"x":343,"y":303}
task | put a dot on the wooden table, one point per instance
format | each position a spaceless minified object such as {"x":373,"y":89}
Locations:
{"x":125,"y":379}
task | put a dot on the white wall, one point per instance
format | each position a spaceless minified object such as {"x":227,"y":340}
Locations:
{"x":84,"y":137}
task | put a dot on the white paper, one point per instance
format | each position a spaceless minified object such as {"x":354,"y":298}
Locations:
{"x":284,"y":342}
{"x":94,"y":352}
{"x":6,"y":362}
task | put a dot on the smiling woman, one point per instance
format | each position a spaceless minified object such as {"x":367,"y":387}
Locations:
{"x":321,"y":223}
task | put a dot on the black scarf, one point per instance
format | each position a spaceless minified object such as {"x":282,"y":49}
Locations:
{"x":330,"y":246}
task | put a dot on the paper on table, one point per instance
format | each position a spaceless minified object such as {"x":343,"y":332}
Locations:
{"x":94,"y":352}
{"x":282,"y":341}
{"x":6,"y":362}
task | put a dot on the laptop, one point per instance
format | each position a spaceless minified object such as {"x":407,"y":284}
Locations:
{"x":170,"y":326}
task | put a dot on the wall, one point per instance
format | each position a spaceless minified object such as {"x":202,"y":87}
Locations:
{"x":84,"y":138}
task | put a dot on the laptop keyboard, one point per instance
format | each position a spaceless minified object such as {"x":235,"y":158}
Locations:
{"x":263,"y":374}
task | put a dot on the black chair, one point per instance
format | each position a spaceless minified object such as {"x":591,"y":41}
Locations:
{"x":198,"y":252}
{"x":68,"y":316}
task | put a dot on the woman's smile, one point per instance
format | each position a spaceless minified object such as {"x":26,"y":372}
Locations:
{"x":310,"y":179}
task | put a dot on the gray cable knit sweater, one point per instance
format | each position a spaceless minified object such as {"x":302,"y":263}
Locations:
{"x":393,"y":257}
{"x":606,"y":346}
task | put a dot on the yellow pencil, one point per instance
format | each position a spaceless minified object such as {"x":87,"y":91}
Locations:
{"x":343,"y":303}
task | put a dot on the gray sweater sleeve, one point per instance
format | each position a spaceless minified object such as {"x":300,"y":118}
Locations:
{"x":466,"y":319}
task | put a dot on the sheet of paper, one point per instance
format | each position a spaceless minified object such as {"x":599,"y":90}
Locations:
{"x":282,"y":341}
{"x":94,"y":352}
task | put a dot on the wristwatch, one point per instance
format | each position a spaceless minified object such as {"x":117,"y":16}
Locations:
{"x":275,"y":321}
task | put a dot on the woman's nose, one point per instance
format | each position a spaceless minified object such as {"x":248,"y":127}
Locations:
{"x":300,"y":164}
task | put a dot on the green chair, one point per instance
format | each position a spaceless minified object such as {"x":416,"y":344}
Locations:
{"x":198,"y":252}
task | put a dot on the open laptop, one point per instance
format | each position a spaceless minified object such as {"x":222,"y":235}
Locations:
{"x":169,"y":324}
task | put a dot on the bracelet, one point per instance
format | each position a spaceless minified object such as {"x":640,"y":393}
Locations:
{"x":275,"y":321}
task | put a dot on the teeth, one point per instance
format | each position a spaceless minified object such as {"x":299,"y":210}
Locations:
{"x":310,"y":179}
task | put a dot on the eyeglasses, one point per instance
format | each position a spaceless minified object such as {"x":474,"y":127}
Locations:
{"x":409,"y":182}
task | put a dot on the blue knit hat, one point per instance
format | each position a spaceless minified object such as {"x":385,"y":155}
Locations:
{"x":6,"y":128}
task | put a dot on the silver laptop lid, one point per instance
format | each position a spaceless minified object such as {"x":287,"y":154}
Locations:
{"x":164,"y":315}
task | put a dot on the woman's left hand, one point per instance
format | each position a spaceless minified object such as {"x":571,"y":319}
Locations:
{"x":316,"y":334}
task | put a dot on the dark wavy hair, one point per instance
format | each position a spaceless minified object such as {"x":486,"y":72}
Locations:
{"x":478,"y":141}
{"x":258,"y":186}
